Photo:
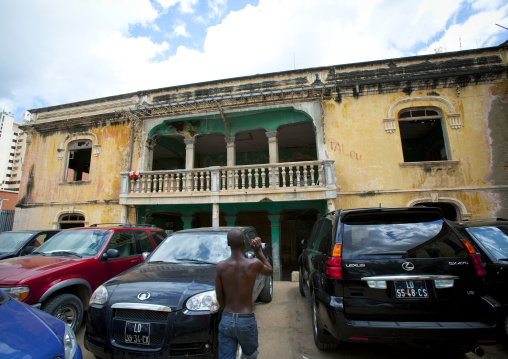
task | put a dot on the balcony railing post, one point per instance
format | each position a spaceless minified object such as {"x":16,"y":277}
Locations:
{"x":215,"y":174}
{"x":330,"y":178}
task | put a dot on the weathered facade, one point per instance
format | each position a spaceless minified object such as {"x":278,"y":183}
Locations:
{"x":276,"y":150}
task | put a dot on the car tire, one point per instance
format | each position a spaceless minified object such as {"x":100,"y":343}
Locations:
{"x":266,"y":294}
{"x":66,"y":307}
{"x":300,"y":281}
{"x":318,"y":330}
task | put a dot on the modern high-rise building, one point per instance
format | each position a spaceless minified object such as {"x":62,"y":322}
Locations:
{"x":12,"y":149}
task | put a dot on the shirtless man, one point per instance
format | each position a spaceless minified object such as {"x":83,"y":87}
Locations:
{"x":234,"y":283}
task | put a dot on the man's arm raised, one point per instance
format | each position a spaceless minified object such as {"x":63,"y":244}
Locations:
{"x":266,"y":268}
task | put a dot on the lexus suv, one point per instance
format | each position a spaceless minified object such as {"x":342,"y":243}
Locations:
{"x":167,"y":306}
{"x":60,"y":276}
{"x":395,"y":275}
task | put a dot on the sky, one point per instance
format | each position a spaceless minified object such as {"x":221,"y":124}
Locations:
{"x":54,"y":52}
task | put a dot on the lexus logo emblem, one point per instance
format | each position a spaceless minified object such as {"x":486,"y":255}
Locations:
{"x":143,"y":296}
{"x":408,"y":266}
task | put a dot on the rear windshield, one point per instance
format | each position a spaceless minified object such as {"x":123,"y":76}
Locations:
{"x":400,"y":236}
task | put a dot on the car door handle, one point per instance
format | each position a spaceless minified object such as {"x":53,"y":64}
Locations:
{"x":134,"y":260}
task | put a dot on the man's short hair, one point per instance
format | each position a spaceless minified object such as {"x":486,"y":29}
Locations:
{"x":235,"y":238}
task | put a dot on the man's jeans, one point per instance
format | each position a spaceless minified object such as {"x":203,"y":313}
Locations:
{"x":237,"y":329}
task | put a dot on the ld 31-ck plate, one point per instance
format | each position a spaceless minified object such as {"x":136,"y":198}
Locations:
{"x":137,"y":333}
{"x":411,"y":289}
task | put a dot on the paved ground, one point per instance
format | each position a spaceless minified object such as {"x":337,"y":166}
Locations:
{"x":285,"y":332}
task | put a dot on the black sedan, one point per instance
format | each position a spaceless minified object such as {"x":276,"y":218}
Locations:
{"x":19,"y":243}
{"x":166,"y":307}
{"x":490,"y":237}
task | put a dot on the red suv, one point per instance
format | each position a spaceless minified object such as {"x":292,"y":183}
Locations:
{"x":61,"y":275}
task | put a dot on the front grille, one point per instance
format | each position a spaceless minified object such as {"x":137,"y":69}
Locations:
{"x":142,"y":315}
{"x":155,"y":342}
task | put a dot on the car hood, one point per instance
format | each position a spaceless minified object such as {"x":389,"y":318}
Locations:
{"x":23,"y":328}
{"x":14,"y":270}
{"x":167,"y":284}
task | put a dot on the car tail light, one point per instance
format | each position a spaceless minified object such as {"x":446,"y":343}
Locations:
{"x":334,"y":263}
{"x":475,"y":258}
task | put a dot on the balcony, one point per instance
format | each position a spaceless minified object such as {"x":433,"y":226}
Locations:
{"x":289,"y":181}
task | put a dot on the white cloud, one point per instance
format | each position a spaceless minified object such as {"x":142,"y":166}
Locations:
{"x":65,"y":51}
{"x":180,"y":29}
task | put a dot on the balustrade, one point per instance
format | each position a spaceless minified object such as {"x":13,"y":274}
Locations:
{"x":234,"y":178}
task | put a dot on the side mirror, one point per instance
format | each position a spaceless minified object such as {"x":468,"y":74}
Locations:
{"x":304,"y":244}
{"x":145,"y":255}
{"x":27,"y":250}
{"x":250,"y":255}
{"x":110,"y":253}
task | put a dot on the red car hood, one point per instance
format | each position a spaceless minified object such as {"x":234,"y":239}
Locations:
{"x":14,"y":270}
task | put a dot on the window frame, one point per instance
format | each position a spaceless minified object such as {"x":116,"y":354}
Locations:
{"x":443,"y":125}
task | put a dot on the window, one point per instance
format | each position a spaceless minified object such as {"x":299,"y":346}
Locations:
{"x":124,"y":242}
{"x":144,"y":240}
{"x":78,"y":157}
{"x":421,"y":134}
{"x":158,"y":237}
{"x":71,"y":220}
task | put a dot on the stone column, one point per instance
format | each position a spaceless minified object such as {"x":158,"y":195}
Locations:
{"x":215,"y":215}
{"x":273,"y":146}
{"x":231,"y":151}
{"x":187,"y":222}
{"x":124,"y":216}
{"x":189,"y":153}
{"x":230,"y":220}
{"x":275,"y":226}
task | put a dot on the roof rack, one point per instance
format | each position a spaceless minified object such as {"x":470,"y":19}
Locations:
{"x":125,"y":225}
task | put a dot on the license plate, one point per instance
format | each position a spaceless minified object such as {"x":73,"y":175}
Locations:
{"x":411,"y":289}
{"x":137,"y":333}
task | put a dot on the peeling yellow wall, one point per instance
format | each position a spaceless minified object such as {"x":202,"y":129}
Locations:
{"x":367,"y":158}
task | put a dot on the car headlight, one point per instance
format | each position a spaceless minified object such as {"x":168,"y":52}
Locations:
{"x":18,"y":293}
{"x":100,"y":296}
{"x":203,"y":301}
{"x":70,"y":344}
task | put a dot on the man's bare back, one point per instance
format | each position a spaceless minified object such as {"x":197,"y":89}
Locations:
{"x":235,"y":277}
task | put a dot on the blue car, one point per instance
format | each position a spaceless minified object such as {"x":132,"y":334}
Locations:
{"x":28,"y":332}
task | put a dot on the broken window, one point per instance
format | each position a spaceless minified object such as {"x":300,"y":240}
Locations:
{"x":421,"y":134}
{"x":79,"y":154}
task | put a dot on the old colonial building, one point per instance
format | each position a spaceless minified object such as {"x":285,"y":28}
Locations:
{"x":277,"y":150}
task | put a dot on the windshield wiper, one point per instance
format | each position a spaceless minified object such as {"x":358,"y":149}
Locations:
{"x":503,"y":259}
{"x":161,"y":262}
{"x":68,"y":253}
{"x":194,"y":260}
{"x":41,"y":253}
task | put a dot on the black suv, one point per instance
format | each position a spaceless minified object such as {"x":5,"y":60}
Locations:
{"x":395,"y":275}
{"x":490,"y":238}
{"x":166,"y":307}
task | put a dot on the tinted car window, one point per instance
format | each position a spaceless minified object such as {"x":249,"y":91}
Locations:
{"x":144,"y":240}
{"x":158,"y":237}
{"x":401,"y":237}
{"x":198,"y":246}
{"x":323,"y":238}
{"x":124,"y":242}
{"x":494,"y":239}
{"x":314,"y":234}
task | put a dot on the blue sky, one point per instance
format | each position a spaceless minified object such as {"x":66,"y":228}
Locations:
{"x":59,"y":51}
